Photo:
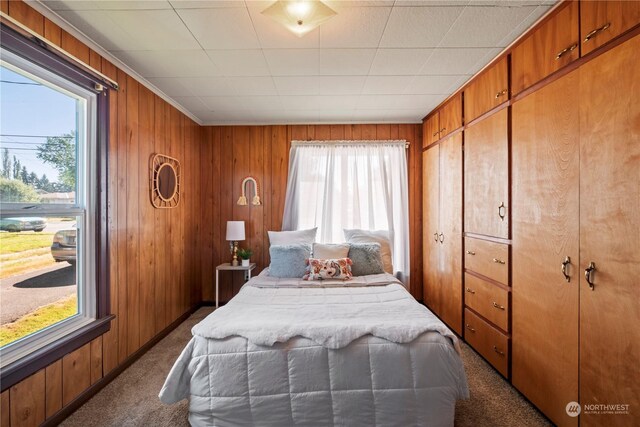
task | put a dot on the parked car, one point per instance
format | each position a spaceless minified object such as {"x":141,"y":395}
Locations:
{"x":63,"y":247}
{"x":23,"y":224}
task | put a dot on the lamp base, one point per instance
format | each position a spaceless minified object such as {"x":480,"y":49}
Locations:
{"x":234,"y":251}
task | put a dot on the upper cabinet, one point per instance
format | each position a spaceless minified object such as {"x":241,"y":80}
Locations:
{"x":487,"y":91}
{"x":431,"y":130}
{"x":443,"y":122}
{"x":550,"y":47}
{"x":601,"y":21}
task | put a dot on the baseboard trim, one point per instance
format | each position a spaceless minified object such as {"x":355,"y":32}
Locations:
{"x":66,"y":411}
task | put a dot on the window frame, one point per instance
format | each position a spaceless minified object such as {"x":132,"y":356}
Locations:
{"x":35,"y":51}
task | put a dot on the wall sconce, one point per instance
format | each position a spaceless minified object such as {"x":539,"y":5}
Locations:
{"x":243,"y":198}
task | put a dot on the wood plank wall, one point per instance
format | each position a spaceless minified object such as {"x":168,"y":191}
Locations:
{"x":230,"y":153}
{"x":155,"y":270}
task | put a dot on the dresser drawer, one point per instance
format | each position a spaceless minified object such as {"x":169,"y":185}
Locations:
{"x":490,"y":259}
{"x":491,"y":301}
{"x":488,"y":341}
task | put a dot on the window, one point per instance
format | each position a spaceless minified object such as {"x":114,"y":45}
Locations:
{"x":359,"y":184}
{"x":52,"y":244}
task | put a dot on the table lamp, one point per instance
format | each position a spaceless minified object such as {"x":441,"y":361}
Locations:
{"x":235,"y":233}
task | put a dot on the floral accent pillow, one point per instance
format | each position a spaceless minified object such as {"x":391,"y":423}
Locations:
{"x":321,"y":269}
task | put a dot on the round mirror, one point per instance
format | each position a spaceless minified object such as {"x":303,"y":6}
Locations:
{"x":167,"y":182}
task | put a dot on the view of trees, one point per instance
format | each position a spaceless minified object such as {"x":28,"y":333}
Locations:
{"x":60,"y":152}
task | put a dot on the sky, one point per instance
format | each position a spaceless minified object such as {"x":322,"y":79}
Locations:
{"x":32,"y":109}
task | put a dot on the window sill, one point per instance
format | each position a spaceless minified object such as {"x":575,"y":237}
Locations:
{"x":44,"y":356}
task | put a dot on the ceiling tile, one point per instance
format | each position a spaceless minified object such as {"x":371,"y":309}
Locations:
{"x":397,"y":62}
{"x":183,"y":63}
{"x":263,"y":103}
{"x":418,"y":26}
{"x":292,"y":62}
{"x":223,"y":103}
{"x":240,"y":62}
{"x":393,"y":102}
{"x":172,"y":86}
{"x":484,"y":26}
{"x":297,"y":85}
{"x":434,"y":85}
{"x":272,"y":35}
{"x":519,"y":29}
{"x":386,"y":84}
{"x":453,"y":61}
{"x":222,"y":28}
{"x":405,"y":115}
{"x":191,"y":103}
{"x":345,"y":62}
{"x":106,"y":5}
{"x":334,"y":116}
{"x":341,"y":85}
{"x":205,"y":4}
{"x":208,"y":86}
{"x":247,"y":86}
{"x":337,"y":102}
{"x":354,"y":27}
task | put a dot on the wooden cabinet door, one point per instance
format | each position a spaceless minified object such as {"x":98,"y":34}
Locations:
{"x":601,"y":21}
{"x":610,"y":233}
{"x":451,"y":228}
{"x":431,"y":227}
{"x":431,"y":130}
{"x":549,"y":48}
{"x":545,"y":200}
{"x":488,"y":90}
{"x":451,"y":116}
{"x":486,"y":177}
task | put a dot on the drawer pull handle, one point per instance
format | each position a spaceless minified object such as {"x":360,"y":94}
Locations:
{"x":441,"y":238}
{"x":566,"y":50}
{"x":498,"y":306}
{"x":435,"y":236}
{"x":502,"y":211}
{"x":593,"y":33}
{"x":502,"y":92}
{"x":498,"y":261}
{"x":588,"y":274}
{"x":566,"y":262}
{"x":471,"y":253}
{"x":443,"y":129}
{"x":436,"y":132}
{"x":471,"y":291}
{"x":501,"y":353}
{"x":470,"y":328}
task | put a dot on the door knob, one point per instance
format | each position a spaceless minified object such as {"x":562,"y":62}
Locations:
{"x":435,"y":236}
{"x":441,"y":238}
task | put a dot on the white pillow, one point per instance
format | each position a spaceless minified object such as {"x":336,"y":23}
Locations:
{"x":330,"y":250}
{"x":376,"y":236}
{"x":305,"y":237}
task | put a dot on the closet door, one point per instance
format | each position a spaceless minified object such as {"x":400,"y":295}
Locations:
{"x":610,"y":233}
{"x":431,"y":227}
{"x":603,"y":20}
{"x":451,"y":228}
{"x":545,"y":200}
{"x":486,"y":177}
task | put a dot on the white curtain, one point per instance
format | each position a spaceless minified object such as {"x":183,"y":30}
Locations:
{"x":334,"y":185}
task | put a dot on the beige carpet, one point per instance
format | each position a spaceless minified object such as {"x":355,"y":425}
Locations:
{"x":132,"y":398}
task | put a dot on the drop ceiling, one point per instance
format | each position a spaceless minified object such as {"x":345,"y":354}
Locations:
{"x":375,"y":62}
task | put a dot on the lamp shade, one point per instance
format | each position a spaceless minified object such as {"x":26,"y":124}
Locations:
{"x":235,"y":231}
{"x":299,"y":16}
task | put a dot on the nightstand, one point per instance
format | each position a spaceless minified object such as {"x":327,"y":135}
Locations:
{"x":228,"y":267}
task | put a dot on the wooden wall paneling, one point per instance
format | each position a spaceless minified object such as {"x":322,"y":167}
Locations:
{"x":53,"y":33}
{"x":537,"y":55}
{"x":110,"y":339}
{"x":545,"y":187}
{"x":208,"y":217}
{"x":174,"y":218}
{"x":241,"y":162}
{"x":337,"y":132}
{"x":220,"y":248}
{"x":229,"y":188}
{"x":356,"y":132}
{"x":450,"y":264}
{"x":95,"y":347}
{"x":609,"y":231}
{"x":487,"y":91}
{"x":27,"y":401}
{"x":383,"y":131}
{"x":194,"y":239}
{"x":161,"y":250}
{"x":122,"y":203}
{"x":431,"y":227}
{"x":76,"y":373}
{"x":26,"y":15}
{"x":133,"y":226}
{"x":256,"y":213}
{"x":486,"y":176}
{"x":179,"y":214}
{"x":75,"y":47}
{"x":594,"y":15}
{"x":369,"y":132}
{"x":4,"y":7}
{"x":298,"y":133}
{"x":323,"y":132}
{"x":146,"y":215}
{"x":53,"y":388}
{"x":95,"y":60}
{"x":5,"y":404}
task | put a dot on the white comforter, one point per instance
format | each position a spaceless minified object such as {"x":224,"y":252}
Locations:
{"x":285,"y":352}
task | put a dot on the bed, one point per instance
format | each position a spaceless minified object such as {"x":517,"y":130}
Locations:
{"x":291,"y":352}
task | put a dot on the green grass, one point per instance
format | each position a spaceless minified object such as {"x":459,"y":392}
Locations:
{"x":19,"y":242}
{"x":40,"y":318}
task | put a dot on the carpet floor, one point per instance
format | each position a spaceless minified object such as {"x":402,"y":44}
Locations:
{"x":132,"y":398}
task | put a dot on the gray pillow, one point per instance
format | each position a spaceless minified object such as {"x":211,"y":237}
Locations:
{"x":289,"y":260}
{"x":367,"y":259}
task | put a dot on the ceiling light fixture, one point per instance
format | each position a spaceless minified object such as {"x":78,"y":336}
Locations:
{"x":299,"y":16}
